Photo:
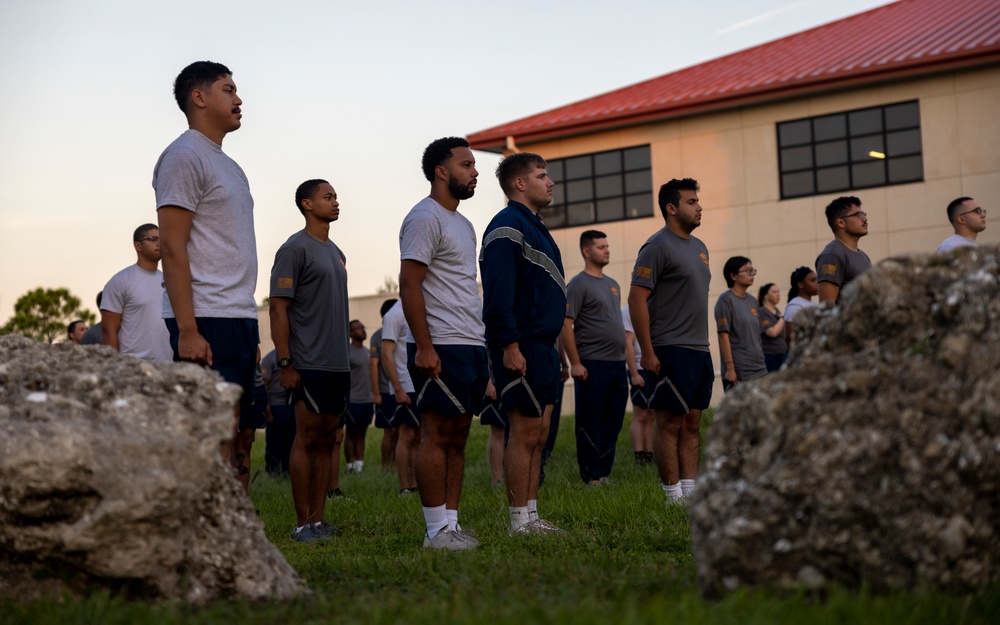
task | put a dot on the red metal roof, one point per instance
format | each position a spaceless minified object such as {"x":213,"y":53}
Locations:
{"x":906,"y":38}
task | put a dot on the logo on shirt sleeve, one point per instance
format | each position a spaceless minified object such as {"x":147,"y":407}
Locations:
{"x":704,"y":257}
{"x":828,"y":270}
{"x":284,"y":283}
{"x":614,"y":291}
{"x":643,"y":272}
{"x":722,"y":321}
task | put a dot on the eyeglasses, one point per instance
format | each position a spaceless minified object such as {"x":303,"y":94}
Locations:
{"x":750,"y":272}
{"x":861,"y":214}
{"x":150,"y":239}
{"x":979,"y":211}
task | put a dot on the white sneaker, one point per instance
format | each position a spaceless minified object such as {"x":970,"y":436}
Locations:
{"x":539,"y":526}
{"x":447,"y":539}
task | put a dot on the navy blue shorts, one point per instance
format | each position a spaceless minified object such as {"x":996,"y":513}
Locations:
{"x":492,"y":415}
{"x":531,"y":393}
{"x":685,"y":380}
{"x":324,"y":392}
{"x":254,"y":415}
{"x":461,"y":385}
{"x":640,"y":398}
{"x":407,"y":414}
{"x":234,"y":349}
{"x":359,"y":414}
{"x":385,"y":415}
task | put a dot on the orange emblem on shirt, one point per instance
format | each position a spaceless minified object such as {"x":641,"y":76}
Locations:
{"x":828,"y":270}
{"x":284,"y":283}
{"x":753,"y":311}
{"x":642,"y":272}
{"x":704,"y":257}
{"x":614,"y":291}
{"x":722,"y":321}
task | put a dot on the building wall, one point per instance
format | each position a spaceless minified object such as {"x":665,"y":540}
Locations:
{"x":733,"y":155}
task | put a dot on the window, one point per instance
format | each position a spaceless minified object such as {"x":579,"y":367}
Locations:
{"x":871,"y":147}
{"x":602,"y":187}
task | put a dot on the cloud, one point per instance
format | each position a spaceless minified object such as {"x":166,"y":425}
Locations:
{"x":766,"y":16}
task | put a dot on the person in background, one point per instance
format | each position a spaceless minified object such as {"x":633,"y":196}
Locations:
{"x":800,"y":297}
{"x":772,"y":327}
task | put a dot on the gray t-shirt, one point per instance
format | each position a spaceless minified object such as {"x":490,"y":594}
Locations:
{"x":594,"y":305}
{"x":445,"y":241}
{"x":676,"y":270}
{"x":838,"y":264}
{"x":93,"y":335}
{"x":361,"y":385}
{"x":771,"y":344}
{"x":394,"y":329}
{"x":953,"y":242}
{"x":738,"y":317}
{"x":313,"y":275}
{"x":137,"y":295}
{"x":627,"y":324}
{"x":376,"y":352}
{"x":193,"y":173}
{"x":796,"y":304}
{"x":276,"y":395}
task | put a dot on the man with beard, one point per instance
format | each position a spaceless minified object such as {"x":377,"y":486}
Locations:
{"x":524,"y":304}
{"x":841,"y":261}
{"x":968,"y":219}
{"x":132,"y":304}
{"x":447,"y":359}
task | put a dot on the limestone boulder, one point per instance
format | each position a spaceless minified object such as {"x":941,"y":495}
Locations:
{"x":111,"y":476}
{"x":874,"y":455}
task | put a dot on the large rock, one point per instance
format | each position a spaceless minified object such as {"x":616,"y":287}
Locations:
{"x":111,"y":475}
{"x":875,"y":455}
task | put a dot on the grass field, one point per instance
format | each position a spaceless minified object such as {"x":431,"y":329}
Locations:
{"x":627,"y":560}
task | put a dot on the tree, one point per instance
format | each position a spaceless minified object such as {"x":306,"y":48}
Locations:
{"x":43,"y":314}
{"x":389,"y":286}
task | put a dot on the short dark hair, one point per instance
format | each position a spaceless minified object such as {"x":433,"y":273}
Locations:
{"x":732,"y":266}
{"x":140,"y":232}
{"x":352,"y":322}
{"x":670,"y":193}
{"x":198,"y":75}
{"x":515,"y":166}
{"x":840,"y":207}
{"x":588,"y":236}
{"x":798,"y":276}
{"x":438,"y":153}
{"x":72,"y":326}
{"x":386,"y":305}
{"x":100,"y":296}
{"x":306,"y":190}
{"x":762,"y":292}
{"x":955,"y":207}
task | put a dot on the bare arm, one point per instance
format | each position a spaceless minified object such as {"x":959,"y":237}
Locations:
{"x":576,"y":368}
{"x":639,"y":313}
{"x":633,"y":370}
{"x":280,"y":331}
{"x":175,"y":232}
{"x":789,"y":332}
{"x":111,"y":322}
{"x":388,"y":353}
{"x":828,"y":292}
{"x":776,"y":330}
{"x":411,"y":279}
{"x":726,"y":349}
{"x":373,"y":379}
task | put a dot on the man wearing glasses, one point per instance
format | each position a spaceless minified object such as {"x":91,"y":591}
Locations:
{"x":968,"y":219}
{"x":841,"y":261}
{"x":132,"y":303}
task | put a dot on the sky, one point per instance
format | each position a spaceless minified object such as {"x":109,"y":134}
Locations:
{"x":350,"y":92}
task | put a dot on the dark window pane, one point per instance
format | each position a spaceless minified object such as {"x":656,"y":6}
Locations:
{"x":579,"y":190}
{"x":636,"y":158}
{"x":794,"y":185}
{"x":639,"y":205}
{"x":866,"y":121}
{"x":578,"y":167}
{"x":607,"y":163}
{"x":638,"y":181}
{"x":907,"y":169}
{"x":610,"y":210}
{"x":903,"y":142}
{"x":559,"y":194}
{"x":555,"y":170}
{"x":579,"y":214}
{"x":862,"y":146}
{"x":794,"y":133}
{"x":868,"y":174}
{"x":902,"y":116}
{"x":832,"y":179}
{"x":793,"y":159}
{"x":554,"y":216}
{"x":608,"y":186}
{"x":829,"y":127}
{"x":832,"y":153}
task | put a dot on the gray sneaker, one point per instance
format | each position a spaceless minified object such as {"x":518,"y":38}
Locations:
{"x":447,"y":539}
{"x":325,"y":530}
{"x":306,"y":535}
{"x":466,"y":536}
{"x":539,"y":526}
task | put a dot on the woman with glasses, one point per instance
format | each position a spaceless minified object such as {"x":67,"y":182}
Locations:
{"x":738,"y":321}
{"x":772,"y":327}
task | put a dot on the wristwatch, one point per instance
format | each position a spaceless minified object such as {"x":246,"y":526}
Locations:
{"x":284,"y":363}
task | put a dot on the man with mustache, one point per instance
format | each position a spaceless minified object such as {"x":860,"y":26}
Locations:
{"x":841,"y":261}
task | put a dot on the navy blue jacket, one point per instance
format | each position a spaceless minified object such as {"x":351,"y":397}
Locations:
{"x":524,"y":289}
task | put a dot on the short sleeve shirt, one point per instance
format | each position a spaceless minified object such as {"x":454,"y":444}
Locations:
{"x":627,"y":324}
{"x":375,"y":348}
{"x":276,"y":395}
{"x":839,"y":264}
{"x":771,"y":344}
{"x":795,"y":305}
{"x":955,"y":242}
{"x":361,"y":385}
{"x":738,"y":317}
{"x":594,"y":305}
{"x":394,"y":329}
{"x":137,"y":295}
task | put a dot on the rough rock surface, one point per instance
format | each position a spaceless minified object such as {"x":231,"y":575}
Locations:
{"x":111,"y":476}
{"x":875,"y":455}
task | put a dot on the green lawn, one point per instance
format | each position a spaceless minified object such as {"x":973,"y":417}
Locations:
{"x":627,"y":560}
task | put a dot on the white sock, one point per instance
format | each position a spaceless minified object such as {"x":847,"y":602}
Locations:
{"x":317,"y":523}
{"x":358,"y":465}
{"x":687,"y":487}
{"x":299,"y":529}
{"x":532,"y":509}
{"x":437,"y":520}
{"x":452,"y":516}
{"x":518,"y":517}
{"x":673,"y":491}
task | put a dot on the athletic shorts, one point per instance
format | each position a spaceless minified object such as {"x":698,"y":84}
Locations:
{"x":324,"y":392}
{"x":685,"y":380}
{"x":492,"y":415}
{"x":640,"y":398}
{"x":531,"y":393}
{"x":407,"y":414}
{"x":359,"y":414}
{"x":459,"y":388}
{"x":254,"y":415}
{"x":385,"y":415}
{"x":234,"y":349}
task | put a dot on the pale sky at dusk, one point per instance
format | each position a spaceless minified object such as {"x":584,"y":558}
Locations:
{"x":351,"y":92}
